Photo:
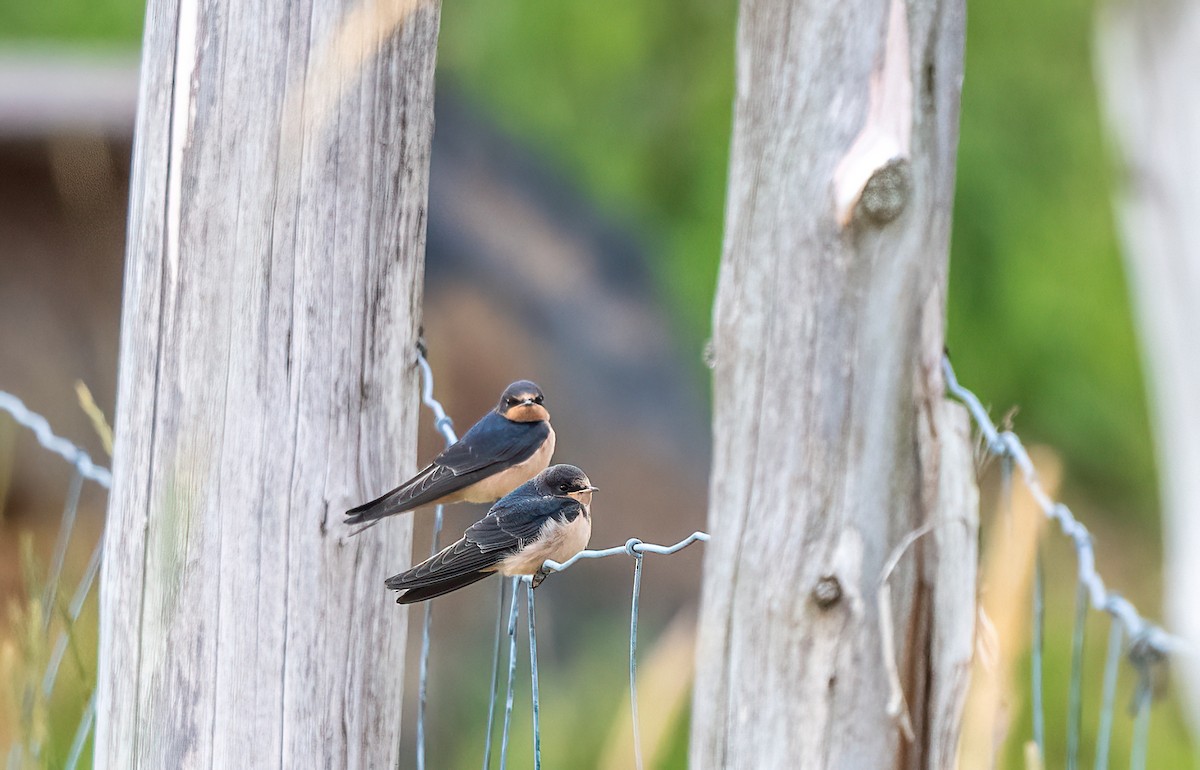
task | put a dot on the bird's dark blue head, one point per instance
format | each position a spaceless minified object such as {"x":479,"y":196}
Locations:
{"x":523,"y":402}
{"x":565,"y":481}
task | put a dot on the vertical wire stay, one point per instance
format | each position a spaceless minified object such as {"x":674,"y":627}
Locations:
{"x":1144,"y":657}
{"x":82,"y":591}
{"x":1039,"y":615}
{"x":533,"y":672}
{"x":1075,"y":688}
{"x":512,"y":672}
{"x":1141,"y":724}
{"x":50,"y":594}
{"x":60,"y":446}
{"x":491,"y":720}
{"x":445,"y":426}
{"x":58,"y":560}
{"x":423,"y":675}
{"x":81,"y":734}
{"x":1109,"y":697}
{"x":633,"y":628}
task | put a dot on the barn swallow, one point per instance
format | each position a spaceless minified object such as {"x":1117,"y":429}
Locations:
{"x":506,"y":448}
{"x":547,"y":517}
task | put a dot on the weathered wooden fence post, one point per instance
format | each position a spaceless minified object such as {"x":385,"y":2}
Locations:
{"x":1147,"y":58}
{"x":832,"y":438}
{"x":267,"y":379}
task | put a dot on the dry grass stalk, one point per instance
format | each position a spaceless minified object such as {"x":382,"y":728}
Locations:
{"x":1003,"y":634}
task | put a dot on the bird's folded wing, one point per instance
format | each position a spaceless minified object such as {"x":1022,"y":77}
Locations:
{"x":493,"y":441}
{"x":430,"y":484}
{"x":492,"y":444}
{"x":461,"y":558}
{"x":509,"y":526}
{"x":516,"y":520}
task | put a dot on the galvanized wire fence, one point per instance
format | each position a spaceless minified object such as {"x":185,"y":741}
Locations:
{"x":633,"y":547}
{"x":1148,"y":645}
{"x":30,"y":748}
{"x":1144,"y":645}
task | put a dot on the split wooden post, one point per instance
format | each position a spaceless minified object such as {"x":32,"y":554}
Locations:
{"x":1147,"y":57}
{"x":833,"y":441}
{"x":267,"y":381}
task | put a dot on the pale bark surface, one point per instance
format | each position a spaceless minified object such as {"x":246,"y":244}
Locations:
{"x":1148,"y":57}
{"x":832,"y":438}
{"x":267,"y":381}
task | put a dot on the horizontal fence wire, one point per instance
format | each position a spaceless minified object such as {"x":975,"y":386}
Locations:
{"x":85,"y":469}
{"x":1006,"y":444}
{"x":16,"y":409}
{"x":1149,"y":645}
{"x":634,"y":548}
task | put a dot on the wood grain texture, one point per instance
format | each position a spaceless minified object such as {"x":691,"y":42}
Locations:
{"x":1148,"y":57}
{"x":950,"y":577}
{"x":267,"y":381}
{"x":832,"y":441}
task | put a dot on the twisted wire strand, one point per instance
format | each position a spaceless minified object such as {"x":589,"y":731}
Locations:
{"x":631,"y":548}
{"x":445,"y":426}
{"x":1006,"y":444}
{"x":1149,"y":644}
{"x":85,"y":468}
{"x":60,"y":446}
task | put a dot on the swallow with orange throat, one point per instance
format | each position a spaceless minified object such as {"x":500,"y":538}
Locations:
{"x":507,"y":447}
{"x":547,"y":517}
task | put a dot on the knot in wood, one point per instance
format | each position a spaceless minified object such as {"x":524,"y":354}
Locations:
{"x":886,"y":192}
{"x":827,"y":592}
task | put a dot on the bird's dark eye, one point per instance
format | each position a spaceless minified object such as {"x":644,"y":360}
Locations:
{"x":510,"y":401}
{"x":563,"y":487}
{"x":538,"y":400}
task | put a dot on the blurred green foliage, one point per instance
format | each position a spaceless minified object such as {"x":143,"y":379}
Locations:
{"x":632,"y":98}
{"x":104,"y":22}
{"x":1039,"y":313}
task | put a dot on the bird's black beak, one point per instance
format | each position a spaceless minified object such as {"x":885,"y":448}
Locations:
{"x":528,"y":402}
{"x":593,"y":489}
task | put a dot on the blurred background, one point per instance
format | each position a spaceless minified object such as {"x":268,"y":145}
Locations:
{"x":584,"y":144}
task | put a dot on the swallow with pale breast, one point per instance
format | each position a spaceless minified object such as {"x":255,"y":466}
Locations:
{"x":507,"y":447}
{"x":547,"y":517}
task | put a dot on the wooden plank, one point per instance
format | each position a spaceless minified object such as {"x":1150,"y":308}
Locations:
{"x":829,"y":429}
{"x":267,"y":380}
